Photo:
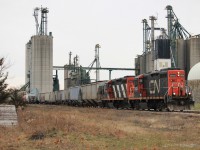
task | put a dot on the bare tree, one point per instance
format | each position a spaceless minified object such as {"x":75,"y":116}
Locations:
{"x":4,"y":94}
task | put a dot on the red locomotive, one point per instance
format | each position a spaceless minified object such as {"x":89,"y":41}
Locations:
{"x":164,"y":89}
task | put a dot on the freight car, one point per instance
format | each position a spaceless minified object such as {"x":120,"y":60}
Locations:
{"x":85,"y":95}
{"x":164,"y":89}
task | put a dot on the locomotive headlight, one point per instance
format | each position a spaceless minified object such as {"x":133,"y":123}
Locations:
{"x":189,"y":93}
{"x":174,"y":94}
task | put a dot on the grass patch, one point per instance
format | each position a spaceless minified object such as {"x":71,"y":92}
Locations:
{"x":61,"y":127}
{"x":197,"y":106}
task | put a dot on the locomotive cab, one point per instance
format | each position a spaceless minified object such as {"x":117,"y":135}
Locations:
{"x":178,"y":94}
{"x":176,"y":83}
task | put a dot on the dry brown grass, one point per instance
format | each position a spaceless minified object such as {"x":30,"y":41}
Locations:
{"x":62,"y":127}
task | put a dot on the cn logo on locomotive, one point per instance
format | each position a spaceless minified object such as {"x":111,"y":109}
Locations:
{"x":154,"y":86}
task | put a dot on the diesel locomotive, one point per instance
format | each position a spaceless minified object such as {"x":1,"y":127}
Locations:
{"x":164,"y":89}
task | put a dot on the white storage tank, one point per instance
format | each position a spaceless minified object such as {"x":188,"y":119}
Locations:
{"x":194,"y":81}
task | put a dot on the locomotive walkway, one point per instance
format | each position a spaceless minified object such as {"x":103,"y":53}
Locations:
{"x":8,"y":115}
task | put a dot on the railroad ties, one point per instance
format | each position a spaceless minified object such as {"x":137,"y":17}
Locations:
{"x":8,"y":115}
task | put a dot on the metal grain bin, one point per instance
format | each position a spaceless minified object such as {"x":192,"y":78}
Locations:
{"x":162,"y":48}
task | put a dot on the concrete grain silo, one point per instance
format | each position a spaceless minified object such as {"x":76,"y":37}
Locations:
{"x":181,"y":53}
{"x":149,"y":62}
{"x":193,"y":52}
{"x":39,"y":57}
{"x":142,"y":65}
{"x":27,"y":62}
{"x":41,"y":71}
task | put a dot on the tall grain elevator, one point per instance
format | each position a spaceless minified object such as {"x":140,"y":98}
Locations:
{"x":39,"y":56}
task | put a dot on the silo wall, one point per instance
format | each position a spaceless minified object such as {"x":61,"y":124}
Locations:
{"x":41,"y":63}
{"x":181,"y":53}
{"x":193,"y":52}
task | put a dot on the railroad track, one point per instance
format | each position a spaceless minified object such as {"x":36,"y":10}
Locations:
{"x":191,"y":111}
{"x":151,"y":111}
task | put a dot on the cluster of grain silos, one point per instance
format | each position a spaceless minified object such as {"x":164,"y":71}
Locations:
{"x":186,"y":56}
{"x":144,"y":63}
{"x":177,"y":48}
{"x":154,"y":60}
{"x":188,"y":52}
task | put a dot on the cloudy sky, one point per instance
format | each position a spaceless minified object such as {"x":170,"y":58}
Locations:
{"x":78,"y":25}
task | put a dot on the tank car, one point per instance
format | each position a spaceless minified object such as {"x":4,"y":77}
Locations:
{"x":164,"y":89}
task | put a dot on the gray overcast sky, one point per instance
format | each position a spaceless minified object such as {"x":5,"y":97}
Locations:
{"x":77,"y":25}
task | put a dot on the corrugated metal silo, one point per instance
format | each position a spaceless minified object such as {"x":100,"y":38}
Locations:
{"x":41,"y":63}
{"x":162,"y":49}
